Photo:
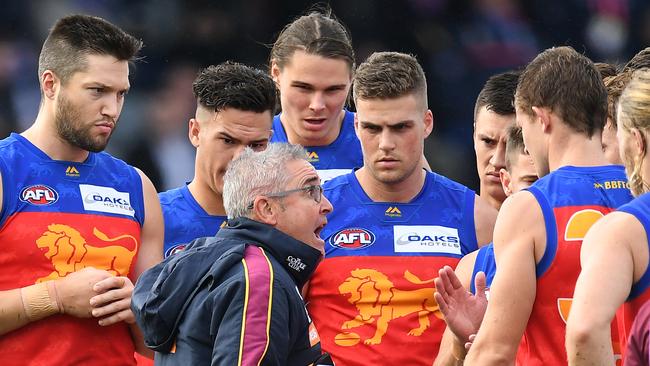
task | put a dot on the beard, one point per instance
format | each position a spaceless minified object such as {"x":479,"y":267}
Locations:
{"x":70,"y":128}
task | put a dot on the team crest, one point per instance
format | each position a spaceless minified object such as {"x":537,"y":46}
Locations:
{"x":352,"y":238}
{"x":378,"y":302}
{"x":39,"y":195}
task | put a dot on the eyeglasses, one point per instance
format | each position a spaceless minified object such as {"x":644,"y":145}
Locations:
{"x":315,"y":192}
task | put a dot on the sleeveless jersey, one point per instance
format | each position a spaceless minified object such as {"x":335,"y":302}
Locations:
{"x":185,"y":220}
{"x":371,"y":298}
{"x":640,"y":292}
{"x":572,"y":199}
{"x":57,"y":218}
{"x":485,"y":263}
{"x":337,"y":158}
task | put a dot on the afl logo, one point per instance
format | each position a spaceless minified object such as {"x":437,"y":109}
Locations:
{"x":39,"y":195}
{"x":175,"y":249}
{"x":352,"y":238}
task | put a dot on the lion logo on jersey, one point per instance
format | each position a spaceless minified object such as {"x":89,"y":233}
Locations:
{"x":377,"y":299}
{"x":69,"y":252}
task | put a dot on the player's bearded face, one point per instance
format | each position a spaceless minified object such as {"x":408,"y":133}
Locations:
{"x":71,"y":127}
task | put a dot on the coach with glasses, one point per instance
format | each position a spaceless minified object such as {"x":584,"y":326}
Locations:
{"x":235,"y":298}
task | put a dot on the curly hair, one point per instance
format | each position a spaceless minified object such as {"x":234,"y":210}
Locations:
{"x":233,"y":85}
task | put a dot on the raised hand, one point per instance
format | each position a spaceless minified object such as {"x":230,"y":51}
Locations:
{"x":463,"y":311}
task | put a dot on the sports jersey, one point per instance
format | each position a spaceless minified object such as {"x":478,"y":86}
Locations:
{"x":337,"y":158}
{"x":57,"y":218}
{"x":185,"y":220}
{"x":637,"y":352}
{"x":485,"y":263}
{"x":640,"y":292}
{"x":371,"y":298}
{"x":572,"y":199}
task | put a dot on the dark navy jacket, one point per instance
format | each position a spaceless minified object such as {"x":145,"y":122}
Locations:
{"x":232,"y":299}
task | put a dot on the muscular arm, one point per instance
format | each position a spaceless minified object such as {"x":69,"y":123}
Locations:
{"x":607,"y":257}
{"x":518,"y":235}
{"x":485,"y":217}
{"x":452,"y":349}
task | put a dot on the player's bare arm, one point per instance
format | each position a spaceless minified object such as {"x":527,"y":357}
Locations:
{"x":608,"y":266}
{"x":518,"y":233}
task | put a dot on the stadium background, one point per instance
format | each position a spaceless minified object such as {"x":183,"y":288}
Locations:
{"x":460,"y":43}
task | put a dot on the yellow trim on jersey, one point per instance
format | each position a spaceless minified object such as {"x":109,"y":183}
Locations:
{"x":243,"y":319}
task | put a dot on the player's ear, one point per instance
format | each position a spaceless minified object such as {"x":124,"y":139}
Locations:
{"x":356,"y":125}
{"x":49,"y":84}
{"x":275,"y":72}
{"x":543,"y":115}
{"x":193,"y":131}
{"x":640,"y":141}
{"x":506,"y":181}
{"x":428,"y":123}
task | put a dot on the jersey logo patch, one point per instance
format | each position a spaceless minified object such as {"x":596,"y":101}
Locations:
{"x":106,"y":199}
{"x":378,"y":302}
{"x":39,"y":195}
{"x":312,"y":157}
{"x":352,"y":238}
{"x":426,"y":239}
{"x":69,"y":252}
{"x":393,"y":211}
{"x":71,"y":171}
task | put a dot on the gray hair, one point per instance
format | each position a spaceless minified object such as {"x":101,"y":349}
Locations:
{"x":257,"y":173}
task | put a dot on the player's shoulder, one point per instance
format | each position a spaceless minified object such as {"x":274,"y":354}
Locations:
{"x":336,"y":184}
{"x":520,"y":206}
{"x":110,"y":162}
{"x":168,"y":197}
{"x":442,"y":182}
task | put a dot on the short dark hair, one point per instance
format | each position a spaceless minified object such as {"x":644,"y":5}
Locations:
{"x":639,"y":61}
{"x":233,"y":85}
{"x":498,"y":94}
{"x":605,"y":69}
{"x":514,"y":145}
{"x":74,"y":37}
{"x":569,"y":84}
{"x":389,"y":75}
{"x":318,"y":33}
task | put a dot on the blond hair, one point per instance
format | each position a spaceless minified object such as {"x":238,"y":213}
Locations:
{"x":634,"y":113}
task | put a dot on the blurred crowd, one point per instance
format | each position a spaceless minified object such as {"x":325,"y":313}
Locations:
{"x":460,"y":43}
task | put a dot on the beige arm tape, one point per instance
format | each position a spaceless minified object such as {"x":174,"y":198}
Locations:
{"x":40,"y":300}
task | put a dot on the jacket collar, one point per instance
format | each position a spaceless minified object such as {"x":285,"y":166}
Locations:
{"x":298,"y":259}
